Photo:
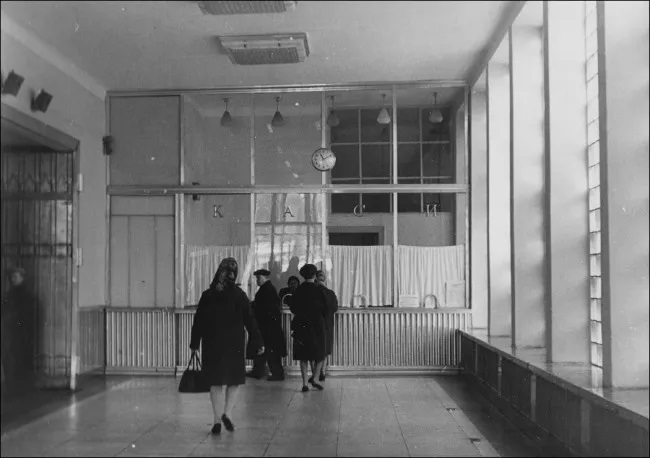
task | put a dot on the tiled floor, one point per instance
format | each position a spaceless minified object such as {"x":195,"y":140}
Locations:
{"x":399,"y":416}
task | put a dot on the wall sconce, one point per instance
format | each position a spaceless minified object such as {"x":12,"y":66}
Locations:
{"x":226,"y":119}
{"x":41,"y":101}
{"x":278,"y":120}
{"x":11,"y":85}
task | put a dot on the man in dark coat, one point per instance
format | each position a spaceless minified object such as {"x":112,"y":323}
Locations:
{"x":309,"y":306}
{"x":268,"y":313}
{"x":219,"y":321}
{"x":332,"y":308}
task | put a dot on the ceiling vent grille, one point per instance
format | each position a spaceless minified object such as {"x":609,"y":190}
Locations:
{"x":266,"y":49}
{"x":245,"y":7}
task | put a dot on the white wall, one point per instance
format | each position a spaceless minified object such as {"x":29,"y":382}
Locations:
{"x":77,"y":109}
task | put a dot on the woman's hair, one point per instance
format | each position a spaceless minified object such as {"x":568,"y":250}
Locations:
{"x":293,"y":277}
{"x":222,"y":279}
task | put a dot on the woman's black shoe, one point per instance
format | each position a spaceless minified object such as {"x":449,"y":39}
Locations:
{"x":305,"y":388}
{"x":322,"y":377}
{"x":316,"y":385}
{"x":216,"y":429}
{"x":227,"y":423}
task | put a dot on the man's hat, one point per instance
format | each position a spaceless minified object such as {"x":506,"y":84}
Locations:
{"x":262,"y":272}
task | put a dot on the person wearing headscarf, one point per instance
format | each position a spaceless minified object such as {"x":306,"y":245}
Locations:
{"x":221,"y":316}
{"x":268,"y":313}
{"x":332,"y":308}
{"x":309,"y":306}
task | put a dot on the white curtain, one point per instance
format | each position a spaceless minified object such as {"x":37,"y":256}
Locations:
{"x":362,"y":275}
{"x":201,"y":263}
{"x":428,"y":271}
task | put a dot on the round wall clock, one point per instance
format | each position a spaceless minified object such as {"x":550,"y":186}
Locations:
{"x":323,"y":159}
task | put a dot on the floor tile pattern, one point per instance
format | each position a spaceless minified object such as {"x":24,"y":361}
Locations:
{"x":392,"y":416}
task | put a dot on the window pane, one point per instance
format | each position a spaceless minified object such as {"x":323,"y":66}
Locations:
{"x":592,"y":131}
{"x":594,"y":176}
{"x":283,"y":152}
{"x":347,"y":131}
{"x":430,"y":254}
{"x":347,"y":161}
{"x":595,"y":287}
{"x":436,"y":132}
{"x":594,"y":267}
{"x":371,"y":130}
{"x":408,"y":125}
{"x":594,"y":220}
{"x":437,"y":163}
{"x":344,"y":203}
{"x":408,"y":161}
{"x":375,"y":161}
{"x":209,"y":145}
{"x":594,"y":198}
{"x":592,"y":43}
{"x":595,"y":309}
{"x":596,"y":332}
{"x":592,"y":109}
{"x":592,"y":66}
{"x":216,"y":226}
{"x":594,"y":153}
{"x":594,"y":242}
{"x":591,"y":22}
{"x":409,"y":203}
{"x":592,"y":89}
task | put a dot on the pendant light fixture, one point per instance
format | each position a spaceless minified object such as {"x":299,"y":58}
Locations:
{"x":332,"y":119}
{"x":436,"y":115}
{"x":226,"y":119}
{"x":384,"y":117}
{"x":277,"y":120}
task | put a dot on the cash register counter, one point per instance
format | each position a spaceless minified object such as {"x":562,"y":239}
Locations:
{"x":366,"y":340}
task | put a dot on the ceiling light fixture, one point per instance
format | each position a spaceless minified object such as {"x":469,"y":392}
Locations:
{"x":436,"y":115}
{"x":332,"y":119}
{"x":384,"y":117}
{"x":278,"y":120}
{"x":226,"y":119}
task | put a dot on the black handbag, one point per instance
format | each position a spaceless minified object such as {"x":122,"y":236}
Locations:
{"x":194,"y":380}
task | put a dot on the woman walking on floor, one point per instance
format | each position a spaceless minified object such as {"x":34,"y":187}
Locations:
{"x":309,"y":306}
{"x":223,"y":312}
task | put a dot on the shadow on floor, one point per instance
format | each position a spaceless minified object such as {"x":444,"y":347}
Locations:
{"x":32,"y":403}
{"x":507,"y":436}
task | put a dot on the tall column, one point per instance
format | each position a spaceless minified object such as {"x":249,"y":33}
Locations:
{"x":498,"y":82}
{"x":479,"y":203}
{"x":566,"y":169}
{"x":624,"y":185}
{"x":527,"y":185}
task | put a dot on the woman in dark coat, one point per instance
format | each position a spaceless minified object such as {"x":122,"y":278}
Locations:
{"x":309,"y":306}
{"x":332,"y":307}
{"x":222,"y":314}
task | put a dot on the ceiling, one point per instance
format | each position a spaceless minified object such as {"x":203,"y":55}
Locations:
{"x":172,"y":44}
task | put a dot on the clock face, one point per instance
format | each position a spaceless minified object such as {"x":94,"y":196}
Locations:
{"x":323,"y":159}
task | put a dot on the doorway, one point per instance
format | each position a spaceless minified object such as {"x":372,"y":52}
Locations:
{"x":38,"y":294}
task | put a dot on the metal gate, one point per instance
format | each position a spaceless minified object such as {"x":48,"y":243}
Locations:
{"x":37,"y":204}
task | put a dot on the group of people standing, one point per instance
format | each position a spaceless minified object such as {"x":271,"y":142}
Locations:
{"x":223,"y":313}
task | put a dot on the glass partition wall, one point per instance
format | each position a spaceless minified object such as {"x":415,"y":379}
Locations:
{"x":387,"y":223}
